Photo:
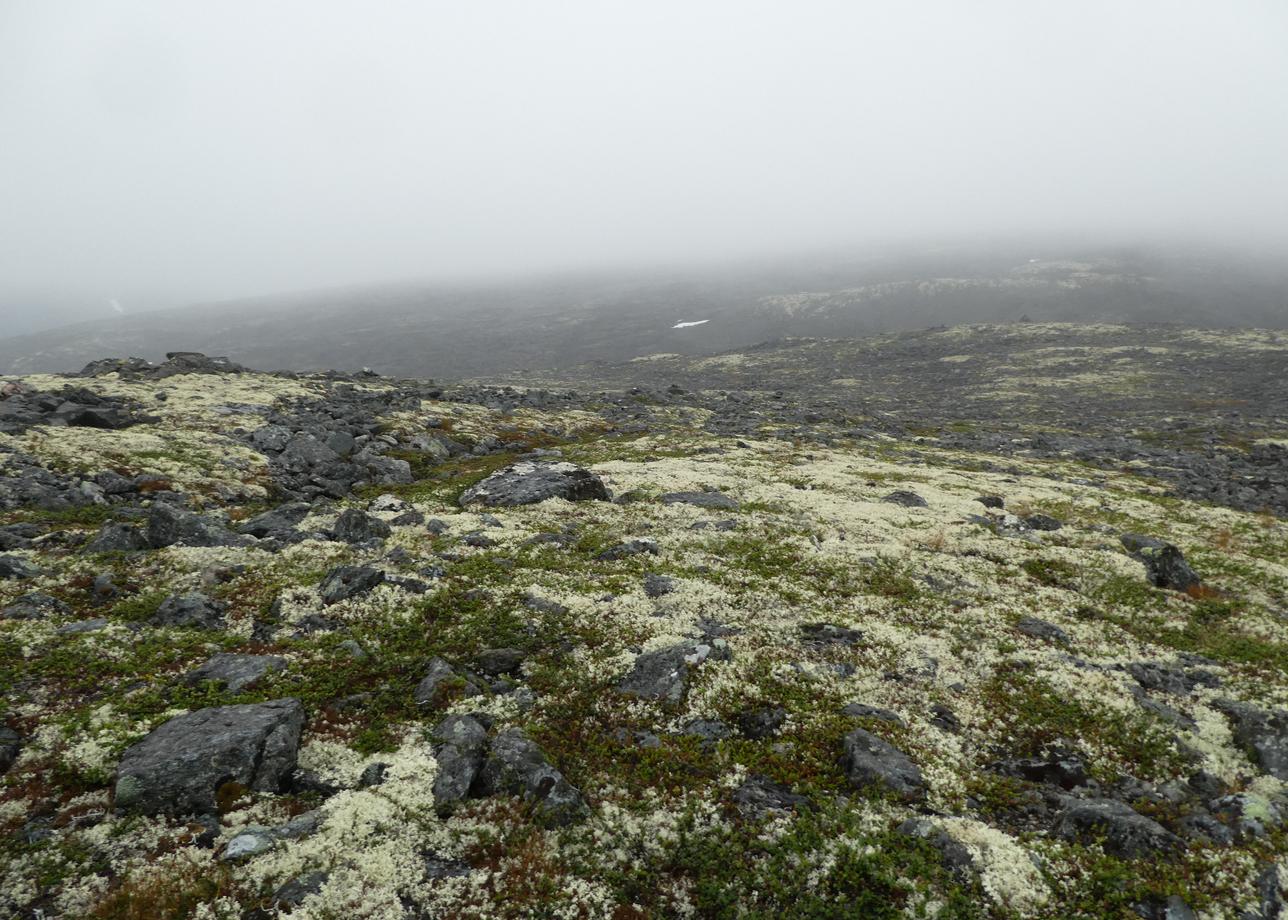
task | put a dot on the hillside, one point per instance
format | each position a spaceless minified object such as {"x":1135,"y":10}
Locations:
{"x":451,"y":331}
{"x":873,"y":628}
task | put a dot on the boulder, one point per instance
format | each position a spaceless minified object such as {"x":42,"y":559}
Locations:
{"x":759,"y":796}
{"x":10,"y":746}
{"x":278,"y":523}
{"x":438,"y":674}
{"x":460,"y":744}
{"x":1263,"y":733}
{"x":179,"y":767}
{"x":118,"y":538}
{"x":664,"y":674}
{"x":13,"y":568}
{"x":168,"y":525}
{"x":656,"y":586}
{"x":529,"y":482}
{"x":628,"y":549}
{"x":905,"y":499}
{"x":869,"y":761}
{"x":356,"y":526}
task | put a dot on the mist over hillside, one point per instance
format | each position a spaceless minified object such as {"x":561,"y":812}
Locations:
{"x":459,"y":330}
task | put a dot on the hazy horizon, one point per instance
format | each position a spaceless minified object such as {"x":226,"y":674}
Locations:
{"x":161,"y":154}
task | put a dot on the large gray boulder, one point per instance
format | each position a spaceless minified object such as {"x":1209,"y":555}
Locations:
{"x":356,"y":526}
{"x":869,"y":761}
{"x":1164,"y":564}
{"x":515,"y":765}
{"x":180,"y":766}
{"x":278,"y":523}
{"x":347,"y":581}
{"x":529,"y":482}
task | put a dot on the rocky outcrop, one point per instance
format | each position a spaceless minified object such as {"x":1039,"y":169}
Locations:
{"x":530,"y":482}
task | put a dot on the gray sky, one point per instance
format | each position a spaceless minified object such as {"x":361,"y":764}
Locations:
{"x":171,"y":151}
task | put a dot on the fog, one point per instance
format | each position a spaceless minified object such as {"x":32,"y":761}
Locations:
{"x":159,"y":153}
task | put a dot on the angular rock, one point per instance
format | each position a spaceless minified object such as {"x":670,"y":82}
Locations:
{"x":529,"y":482}
{"x":656,"y":586}
{"x":348,"y":581}
{"x":168,"y":525}
{"x":193,"y":610}
{"x":759,"y":795}
{"x":497,"y":661}
{"x":1123,"y":831}
{"x":118,"y":538}
{"x":864,"y":711}
{"x":870,"y":761}
{"x":233,"y":671}
{"x":1164,"y":564}
{"x":762,"y":722}
{"x":439,"y":673}
{"x":34,"y":606}
{"x":628,"y":549}
{"x":515,"y":765}
{"x":1042,"y":522}
{"x":829,"y":634}
{"x":179,"y":767}
{"x":10,"y":746}
{"x":15,"y":569}
{"x":1041,"y":629}
{"x":279,"y":522}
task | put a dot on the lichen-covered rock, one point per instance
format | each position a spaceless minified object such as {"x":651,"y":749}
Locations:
{"x":663,"y":674}
{"x":529,"y":482}
{"x":16,"y":569}
{"x":869,"y":761}
{"x":356,"y":526}
{"x":711,"y":500}
{"x":460,"y":744}
{"x":179,"y":767}
{"x":168,"y":525}
{"x":118,"y":538}
{"x":1263,"y":733}
{"x":905,"y":499}
{"x":438,"y":675}
{"x":759,"y":796}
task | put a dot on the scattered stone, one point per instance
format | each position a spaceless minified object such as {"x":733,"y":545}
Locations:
{"x":278,"y":523}
{"x":178,"y":768}
{"x":762,"y":722}
{"x":529,"y":482}
{"x":991,"y":501}
{"x":1173,"y":680}
{"x":373,"y":775}
{"x":829,"y":634}
{"x":870,"y":761}
{"x":348,"y":581}
{"x":711,"y":500}
{"x":439,"y":674}
{"x":34,"y":606}
{"x":864,"y":711}
{"x":293,"y":893}
{"x":1042,"y":522}
{"x":955,"y":857}
{"x":168,"y":525}
{"x":10,"y":747}
{"x":15,"y":569}
{"x":497,"y":661}
{"x":235,"y":672}
{"x":118,"y":538}
{"x":1164,"y":564}
{"x":82,"y":626}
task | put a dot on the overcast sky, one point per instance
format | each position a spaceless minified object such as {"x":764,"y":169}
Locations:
{"x":172,"y":151}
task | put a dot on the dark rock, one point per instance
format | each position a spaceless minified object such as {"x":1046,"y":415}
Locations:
{"x":516,"y":766}
{"x":1042,"y":522}
{"x":82,"y":626}
{"x":529,"y":482}
{"x":905,"y":499}
{"x":707,"y":731}
{"x":954,"y":856}
{"x":1068,"y":771}
{"x":991,"y":501}
{"x":712,"y":500}
{"x":1153,"y":676}
{"x":356,"y":526}
{"x":1122,"y":831}
{"x":194,"y":610}
{"x":373,"y":775}
{"x":440,"y":867}
{"x":293,"y":893}
{"x":478,"y":539}
{"x":348,"y":581}
{"x":943,"y":717}
{"x":870,"y":761}
{"x":278,"y":523}
{"x":544,"y":605}
{"x":179,"y":767}
{"x":233,"y":671}
{"x":1164,"y":564}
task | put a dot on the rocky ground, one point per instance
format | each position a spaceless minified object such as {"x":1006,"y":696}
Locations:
{"x":970,"y":623}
